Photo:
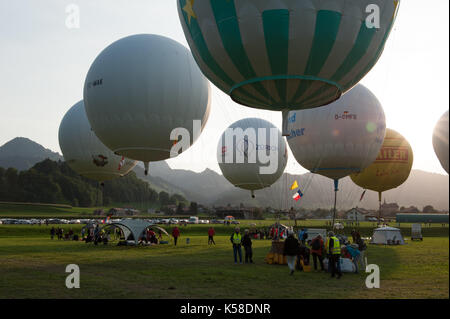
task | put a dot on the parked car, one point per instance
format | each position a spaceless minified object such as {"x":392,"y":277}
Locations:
{"x":235,"y":222}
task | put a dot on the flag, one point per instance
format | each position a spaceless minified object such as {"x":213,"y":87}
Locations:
{"x":362,"y":195}
{"x":297,"y":195}
{"x":107,"y":219}
{"x":121,"y":163}
{"x":294,"y":186}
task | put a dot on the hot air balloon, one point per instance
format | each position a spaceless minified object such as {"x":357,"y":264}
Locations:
{"x":391,"y":167}
{"x":440,"y":141}
{"x":142,"y":93}
{"x":252,"y":154}
{"x":287,"y":54}
{"x":341,"y":138}
{"x":84,"y":152}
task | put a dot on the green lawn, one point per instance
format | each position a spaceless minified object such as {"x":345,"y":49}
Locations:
{"x":33,"y":266}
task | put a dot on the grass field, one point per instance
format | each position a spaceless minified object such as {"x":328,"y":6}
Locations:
{"x":33,"y":266}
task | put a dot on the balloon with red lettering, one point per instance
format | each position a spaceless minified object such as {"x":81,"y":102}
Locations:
{"x":339,"y":139}
{"x":391,"y":167}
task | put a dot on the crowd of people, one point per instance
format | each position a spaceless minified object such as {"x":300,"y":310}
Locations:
{"x":59,"y":233}
{"x":298,"y":248}
{"x":298,"y":252}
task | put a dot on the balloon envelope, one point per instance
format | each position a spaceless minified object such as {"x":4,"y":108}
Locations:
{"x":286,"y":54}
{"x":341,"y":138}
{"x":440,"y":141}
{"x":84,"y":152}
{"x":142,"y":88}
{"x":391,"y":167}
{"x":240,"y":157}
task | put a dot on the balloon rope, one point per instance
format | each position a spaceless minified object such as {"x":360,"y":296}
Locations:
{"x":334,"y":210}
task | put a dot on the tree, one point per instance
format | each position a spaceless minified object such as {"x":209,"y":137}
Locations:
{"x":180,"y":208}
{"x":55,"y":182}
{"x":164,"y":198}
{"x":193,"y":208}
{"x":428,"y":209}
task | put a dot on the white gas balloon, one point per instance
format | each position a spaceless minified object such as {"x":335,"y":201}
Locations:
{"x":84,"y":152}
{"x":341,"y":138}
{"x":252,"y":154}
{"x":146,"y":98}
{"x":440,"y":141}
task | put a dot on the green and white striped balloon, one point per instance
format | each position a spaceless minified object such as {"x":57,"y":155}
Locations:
{"x":285,"y":54}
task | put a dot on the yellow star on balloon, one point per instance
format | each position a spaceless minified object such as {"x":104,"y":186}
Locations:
{"x":395,"y":8}
{"x":188,"y":8}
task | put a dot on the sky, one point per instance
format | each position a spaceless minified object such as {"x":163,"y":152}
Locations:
{"x":43,"y":65}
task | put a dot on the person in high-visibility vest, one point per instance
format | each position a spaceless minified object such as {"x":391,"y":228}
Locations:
{"x":333,"y":250}
{"x":236,"y":240}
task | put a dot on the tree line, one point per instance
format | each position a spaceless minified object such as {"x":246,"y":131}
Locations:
{"x":56,"y":183}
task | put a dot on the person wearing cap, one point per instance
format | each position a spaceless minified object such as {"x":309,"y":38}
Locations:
{"x":291,"y":248}
{"x":247,"y":243}
{"x":236,"y":240}
{"x":333,"y":250}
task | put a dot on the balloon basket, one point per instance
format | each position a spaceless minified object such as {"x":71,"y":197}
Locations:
{"x":275,"y":255}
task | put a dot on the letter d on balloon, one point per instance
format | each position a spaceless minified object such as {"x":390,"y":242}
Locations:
{"x":73,"y":280}
{"x":373,"y":280}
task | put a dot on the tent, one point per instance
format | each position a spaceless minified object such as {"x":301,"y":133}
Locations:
{"x":133,"y":229}
{"x":387,"y":236}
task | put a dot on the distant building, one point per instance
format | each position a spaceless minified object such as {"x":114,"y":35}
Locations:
{"x":237,"y":212}
{"x":120,"y":212}
{"x":99,"y":212}
{"x":356,"y":214}
{"x":410,"y":209}
{"x":422,"y":218}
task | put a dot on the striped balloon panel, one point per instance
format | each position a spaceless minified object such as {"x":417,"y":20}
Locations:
{"x":285,"y":54}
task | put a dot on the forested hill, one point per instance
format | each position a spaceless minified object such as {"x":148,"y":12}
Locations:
{"x":56,"y":183}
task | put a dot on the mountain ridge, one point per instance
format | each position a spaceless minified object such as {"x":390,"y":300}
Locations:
{"x":211,"y":188}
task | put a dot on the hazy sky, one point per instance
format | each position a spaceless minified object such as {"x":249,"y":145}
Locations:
{"x":43,"y":65}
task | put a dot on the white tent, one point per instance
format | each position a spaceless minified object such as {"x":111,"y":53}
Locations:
{"x":387,"y":236}
{"x":133,"y":229}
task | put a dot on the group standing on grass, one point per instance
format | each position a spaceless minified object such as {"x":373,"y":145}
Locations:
{"x":297,"y":250}
{"x":238,"y":241}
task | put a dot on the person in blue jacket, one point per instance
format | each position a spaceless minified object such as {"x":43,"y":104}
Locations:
{"x":355,"y":253}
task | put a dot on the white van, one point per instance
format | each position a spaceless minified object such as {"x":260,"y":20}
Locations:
{"x":193,"y":220}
